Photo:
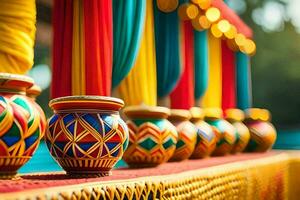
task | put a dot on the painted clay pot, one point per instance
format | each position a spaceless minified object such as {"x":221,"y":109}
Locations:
{"x":206,"y":138}
{"x":32,"y":93}
{"x":152,"y":138}
{"x":262,"y":133}
{"x":224,"y":131}
{"x":235,"y":117}
{"x":187,"y":134}
{"x":86,"y":135}
{"x":19,"y":124}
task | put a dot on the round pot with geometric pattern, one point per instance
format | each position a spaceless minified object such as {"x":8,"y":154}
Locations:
{"x":20,"y":131}
{"x":86,"y":135}
{"x":152,"y":138}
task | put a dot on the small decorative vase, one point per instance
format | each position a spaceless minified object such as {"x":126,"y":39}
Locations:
{"x":152,"y":138}
{"x":206,"y":138}
{"x":224,"y":131}
{"x":187,"y":134}
{"x":86,"y":135}
{"x":32,"y":93}
{"x":263,"y":134}
{"x":235,"y":117}
{"x":19,"y":124}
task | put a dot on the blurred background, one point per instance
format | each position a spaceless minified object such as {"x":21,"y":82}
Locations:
{"x":275,"y":67}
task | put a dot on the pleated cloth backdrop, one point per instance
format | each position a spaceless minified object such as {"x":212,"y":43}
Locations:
{"x":82,"y":48}
{"x":183,"y":95}
{"x":140,"y":87}
{"x":243,"y":81}
{"x":17,"y":35}
{"x":228,"y":77}
{"x":201,"y":63}
{"x":167,"y":43}
{"x":128,"y":20}
{"x":213,"y":95}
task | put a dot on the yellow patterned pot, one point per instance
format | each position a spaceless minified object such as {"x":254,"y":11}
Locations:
{"x":225,"y":132}
{"x":206,"y":138}
{"x":235,"y":117}
{"x":187,"y":134}
{"x":19,"y":124}
{"x":152,"y":138}
{"x":263,"y":133}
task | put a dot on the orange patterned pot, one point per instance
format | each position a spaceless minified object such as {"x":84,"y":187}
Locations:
{"x":86,"y":135}
{"x":19,"y":124}
{"x":206,"y":138}
{"x":152,"y":138}
{"x":263,"y":133}
{"x":235,"y":117}
{"x":187,"y":134}
{"x":225,"y":132}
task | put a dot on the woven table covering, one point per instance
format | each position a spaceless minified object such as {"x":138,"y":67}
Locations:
{"x":272,"y":175}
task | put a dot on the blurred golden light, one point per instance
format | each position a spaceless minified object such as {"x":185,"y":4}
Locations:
{"x":213,"y":14}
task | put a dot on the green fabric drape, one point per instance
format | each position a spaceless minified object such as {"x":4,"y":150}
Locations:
{"x":128,"y":25}
{"x":201,"y":62}
{"x":167,"y":42}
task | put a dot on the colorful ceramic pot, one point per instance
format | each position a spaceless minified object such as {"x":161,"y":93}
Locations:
{"x":32,"y":93}
{"x":263,"y":134}
{"x":206,"y":138}
{"x":86,"y":135}
{"x":224,"y":131}
{"x":235,"y":117}
{"x":152,"y":138}
{"x":19,"y":124}
{"x":187,"y":134}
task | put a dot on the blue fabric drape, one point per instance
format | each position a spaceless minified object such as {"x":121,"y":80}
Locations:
{"x":243,"y":81}
{"x":201,"y":62}
{"x":167,"y":42}
{"x":128,"y":21}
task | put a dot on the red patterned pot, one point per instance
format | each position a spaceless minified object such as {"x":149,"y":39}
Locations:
{"x":19,"y":124}
{"x":236,"y":118}
{"x":225,"y":132}
{"x":152,"y":138}
{"x":86,"y":135}
{"x":32,"y":93}
{"x":206,"y":138}
{"x":187,"y":134}
{"x":263,"y":133}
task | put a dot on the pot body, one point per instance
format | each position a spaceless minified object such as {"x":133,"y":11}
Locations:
{"x":84,"y":138}
{"x":206,"y":140}
{"x":226,"y":136}
{"x":243,"y":137}
{"x":152,"y":142}
{"x":262,"y":136}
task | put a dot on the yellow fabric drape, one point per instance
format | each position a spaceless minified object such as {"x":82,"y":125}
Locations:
{"x":139,"y":87}
{"x":213,"y":94}
{"x":78,"y":71}
{"x":17,"y":35}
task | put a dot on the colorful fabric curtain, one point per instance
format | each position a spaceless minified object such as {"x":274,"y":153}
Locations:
{"x":17,"y":35}
{"x":243,"y":81}
{"x":128,"y":21}
{"x":139,"y":87}
{"x":228,"y":77}
{"x":201,"y":62}
{"x":183,"y":95}
{"x":167,"y":43}
{"x":82,"y":47}
{"x":213,"y":94}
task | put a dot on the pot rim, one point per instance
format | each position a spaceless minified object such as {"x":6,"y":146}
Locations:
{"x":146,"y":112}
{"x":180,"y":114}
{"x":86,"y":102}
{"x":34,"y":91}
{"x":15,"y":82}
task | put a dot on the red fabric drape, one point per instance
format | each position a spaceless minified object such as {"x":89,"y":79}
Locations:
{"x":98,"y":46}
{"x":228,"y":78}
{"x":62,"y":48}
{"x":183,"y":95}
